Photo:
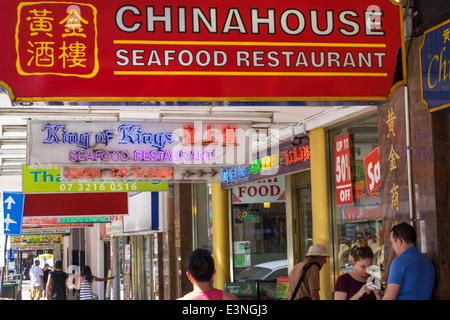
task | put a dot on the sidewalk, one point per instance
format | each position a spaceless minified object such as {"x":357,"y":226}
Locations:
{"x":26,"y":291}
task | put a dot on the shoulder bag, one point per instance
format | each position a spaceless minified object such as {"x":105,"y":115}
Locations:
{"x":305,"y":269}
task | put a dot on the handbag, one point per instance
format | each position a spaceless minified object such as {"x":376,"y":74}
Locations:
{"x":297,"y":287}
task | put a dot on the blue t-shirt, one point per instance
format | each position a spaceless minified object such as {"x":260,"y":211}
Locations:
{"x":414,"y":273}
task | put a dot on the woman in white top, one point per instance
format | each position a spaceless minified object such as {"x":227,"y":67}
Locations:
{"x":85,"y":283}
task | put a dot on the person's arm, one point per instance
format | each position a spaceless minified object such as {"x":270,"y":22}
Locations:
{"x":313,"y":277}
{"x":229,"y":296}
{"x":67,"y":286}
{"x":80,"y":281}
{"x":104,"y":279}
{"x":340,"y":295}
{"x":47,"y":291}
{"x":392,"y":291}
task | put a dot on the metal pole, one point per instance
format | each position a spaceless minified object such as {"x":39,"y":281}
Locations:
{"x":3,"y":268}
{"x":19,"y":293}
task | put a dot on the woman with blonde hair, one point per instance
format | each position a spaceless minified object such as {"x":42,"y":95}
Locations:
{"x":353,"y":285}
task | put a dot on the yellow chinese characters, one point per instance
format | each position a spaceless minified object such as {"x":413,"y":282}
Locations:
{"x":74,"y":24}
{"x":393,"y":158}
{"x":58,"y":38}
{"x":394,"y":197}
{"x":40,"y":22}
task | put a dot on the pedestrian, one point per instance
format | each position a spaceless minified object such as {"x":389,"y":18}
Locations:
{"x":85,"y":283}
{"x":411,"y":274}
{"x":57,"y":288}
{"x":353,"y":285}
{"x":200,"y":271}
{"x":37,"y":279}
{"x":308,"y":288}
{"x":25,"y":272}
{"x":46,"y":272}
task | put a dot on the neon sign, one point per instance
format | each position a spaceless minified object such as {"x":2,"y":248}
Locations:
{"x":137,"y":143}
{"x":117,"y":173}
{"x":269,"y":163}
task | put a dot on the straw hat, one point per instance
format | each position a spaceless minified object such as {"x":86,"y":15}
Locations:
{"x":317,"y":250}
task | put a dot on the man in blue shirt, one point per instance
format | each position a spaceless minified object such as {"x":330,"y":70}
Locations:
{"x":411,"y":274}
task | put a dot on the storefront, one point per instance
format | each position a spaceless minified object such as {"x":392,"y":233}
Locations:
{"x":264,"y":198}
{"x":355,"y":213}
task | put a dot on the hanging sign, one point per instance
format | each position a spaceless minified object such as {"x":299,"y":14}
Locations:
{"x":268,"y":190}
{"x":35,"y":241}
{"x":343,"y":171}
{"x":276,"y":161}
{"x":98,"y":50}
{"x":434,"y":66}
{"x":48,"y":180}
{"x":372,"y":169}
{"x":115,"y":144}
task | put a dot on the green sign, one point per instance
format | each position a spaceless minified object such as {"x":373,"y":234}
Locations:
{"x":48,"y":180}
{"x":85,"y":219}
{"x":245,"y":290}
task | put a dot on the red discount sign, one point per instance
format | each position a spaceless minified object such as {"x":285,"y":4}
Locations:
{"x":343,"y":170}
{"x":102,"y":50}
{"x":372,"y":169}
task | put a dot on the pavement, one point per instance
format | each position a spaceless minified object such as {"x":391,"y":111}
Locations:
{"x":26,"y":291}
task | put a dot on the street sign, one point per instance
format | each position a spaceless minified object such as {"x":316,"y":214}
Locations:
{"x":12,"y":212}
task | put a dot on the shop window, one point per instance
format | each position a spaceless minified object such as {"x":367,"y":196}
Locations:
{"x":362,"y":218}
{"x":305,"y":216}
{"x":259,"y":238}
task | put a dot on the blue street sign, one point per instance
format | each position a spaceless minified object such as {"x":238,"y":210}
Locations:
{"x":13,"y":213}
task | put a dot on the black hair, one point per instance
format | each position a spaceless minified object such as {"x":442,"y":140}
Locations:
{"x":405,"y":232}
{"x":201,"y":265}
{"x":86,"y":272}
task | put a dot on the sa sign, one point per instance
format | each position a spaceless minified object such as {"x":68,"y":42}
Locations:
{"x":343,"y":172}
{"x":372,"y":169}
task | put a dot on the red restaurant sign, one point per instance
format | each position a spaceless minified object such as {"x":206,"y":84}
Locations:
{"x":102,"y":50}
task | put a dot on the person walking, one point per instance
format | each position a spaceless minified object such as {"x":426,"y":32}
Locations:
{"x":46,"y":272}
{"x":309,"y":288}
{"x":37,"y":279}
{"x":353,"y":285}
{"x":57,"y":288}
{"x":411,"y":274}
{"x":200,"y":271}
{"x":85,"y":283}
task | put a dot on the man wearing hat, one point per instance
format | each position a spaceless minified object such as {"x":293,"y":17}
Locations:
{"x":309,"y":288}
{"x":57,"y":288}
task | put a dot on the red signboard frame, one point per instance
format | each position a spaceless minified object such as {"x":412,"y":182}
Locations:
{"x":98,"y":50}
{"x":76,"y":204}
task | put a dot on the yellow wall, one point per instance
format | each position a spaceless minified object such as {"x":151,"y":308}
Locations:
{"x":221,"y":244}
{"x":319,"y":198}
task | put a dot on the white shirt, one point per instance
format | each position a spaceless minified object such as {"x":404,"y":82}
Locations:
{"x":35,"y":273}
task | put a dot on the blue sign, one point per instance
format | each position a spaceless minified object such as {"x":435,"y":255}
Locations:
{"x":13,"y":213}
{"x":435,"y":68}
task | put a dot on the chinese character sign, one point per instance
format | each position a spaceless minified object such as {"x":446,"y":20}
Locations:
{"x":434,"y":62}
{"x":57,"y":39}
{"x":200,"y":50}
{"x":76,"y":143}
{"x":343,"y":170}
